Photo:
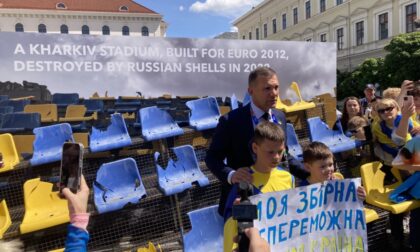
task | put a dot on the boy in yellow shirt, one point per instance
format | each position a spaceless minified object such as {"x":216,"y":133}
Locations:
{"x":268,"y":145}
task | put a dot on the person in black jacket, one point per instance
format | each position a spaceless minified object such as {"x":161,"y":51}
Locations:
{"x":231,"y":140}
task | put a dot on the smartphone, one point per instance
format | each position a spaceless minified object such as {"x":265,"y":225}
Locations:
{"x":408,"y":100}
{"x":71,"y":166}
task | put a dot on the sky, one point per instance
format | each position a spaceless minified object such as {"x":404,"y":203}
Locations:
{"x":199,"y":19}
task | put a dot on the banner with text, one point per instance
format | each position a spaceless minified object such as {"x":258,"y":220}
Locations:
{"x":319,"y":217}
{"x":123,"y":65}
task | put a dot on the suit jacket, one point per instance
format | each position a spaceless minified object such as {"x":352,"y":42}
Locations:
{"x":231,"y":141}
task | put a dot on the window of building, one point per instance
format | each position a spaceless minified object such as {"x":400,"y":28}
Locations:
{"x":295,"y":15}
{"x":145,"y":31}
{"x":64,"y":29}
{"x":284,"y":21}
{"x":383,"y":26}
{"x":340,"y":38}
{"x":308,"y":10}
{"x":243,"y":37}
{"x":19,"y":27}
{"x":42,"y":28}
{"x":410,"y":16}
{"x":323,"y":37}
{"x":274,"y":26}
{"x":322,"y":6}
{"x":85,"y":30}
{"x":338,"y":2}
{"x":360,"y":33}
{"x":60,"y":6}
{"x":123,"y":8}
{"x":257,"y":33}
{"x":250,"y":35}
{"x":265,"y":30}
{"x":105,"y":30}
{"x":125,"y":31}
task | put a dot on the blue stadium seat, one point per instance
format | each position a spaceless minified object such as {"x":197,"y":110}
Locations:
{"x":115,"y":136}
{"x":17,"y":105}
{"x":125,"y":105}
{"x":4,"y":97}
{"x":234,"y":102}
{"x":204,"y":113}
{"x":179,"y":175}
{"x":334,"y":139}
{"x":247,"y":99}
{"x":20,"y":122}
{"x":293,"y":145}
{"x":49,"y":142}
{"x":117,"y":184}
{"x":157,"y":124}
{"x":93,"y":106}
{"x":6,"y":110}
{"x":206,"y":232}
{"x":62,"y":100}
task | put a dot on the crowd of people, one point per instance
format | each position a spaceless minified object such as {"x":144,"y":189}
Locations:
{"x":249,"y":145}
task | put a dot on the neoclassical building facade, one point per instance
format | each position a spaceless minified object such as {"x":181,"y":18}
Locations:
{"x":360,"y":28}
{"x":96,"y":17}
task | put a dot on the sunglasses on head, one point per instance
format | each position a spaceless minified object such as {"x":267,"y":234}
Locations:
{"x":387,"y":109}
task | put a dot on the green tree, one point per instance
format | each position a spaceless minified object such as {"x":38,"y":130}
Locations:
{"x":403,"y":61}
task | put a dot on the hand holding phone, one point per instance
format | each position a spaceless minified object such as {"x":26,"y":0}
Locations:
{"x":71,"y":166}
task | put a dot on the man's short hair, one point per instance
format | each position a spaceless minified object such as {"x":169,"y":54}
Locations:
{"x":392,"y":93}
{"x":356,"y":122}
{"x":260,"y":71}
{"x":316,"y":151}
{"x":268,"y":131}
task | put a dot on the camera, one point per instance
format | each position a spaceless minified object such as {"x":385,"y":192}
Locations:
{"x":245,"y":213}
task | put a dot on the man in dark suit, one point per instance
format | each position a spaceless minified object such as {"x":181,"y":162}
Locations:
{"x":235,"y":130}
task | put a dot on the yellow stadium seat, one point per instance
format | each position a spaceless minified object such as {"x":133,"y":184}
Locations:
{"x":224,"y":110}
{"x":57,"y":250}
{"x":76,"y":113}
{"x":9,"y":152}
{"x":297,"y":106}
{"x":48,"y":111}
{"x":151,"y":248}
{"x":378,"y":194}
{"x":5,"y":220}
{"x":370,"y":214}
{"x":82,"y":138}
{"x":43,"y":207}
{"x":24,"y":144}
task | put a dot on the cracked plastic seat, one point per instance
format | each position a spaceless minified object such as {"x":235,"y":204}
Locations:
{"x":76,"y":113}
{"x":49,"y":142}
{"x":20,"y":122}
{"x":9,"y":152}
{"x":48,"y":112}
{"x":293,"y":145}
{"x":157,"y":124}
{"x":179,"y":175}
{"x":93,"y":106}
{"x":117,"y":184}
{"x":63,"y":100}
{"x":115,"y":136}
{"x":43,"y":207}
{"x":206,"y":233}
{"x":204,"y":113}
{"x":334,"y":139}
{"x":297,"y":106}
{"x":378,"y":195}
{"x":5,"y":220}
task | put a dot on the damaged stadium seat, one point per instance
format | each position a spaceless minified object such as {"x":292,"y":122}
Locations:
{"x":9,"y":153}
{"x":297,"y":106}
{"x":157,"y":124}
{"x":20,"y":122}
{"x":48,"y":112}
{"x":5,"y":220}
{"x":117,"y":184}
{"x":179,"y":175}
{"x":293,"y":145}
{"x":63,"y":100}
{"x":204,"y":113}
